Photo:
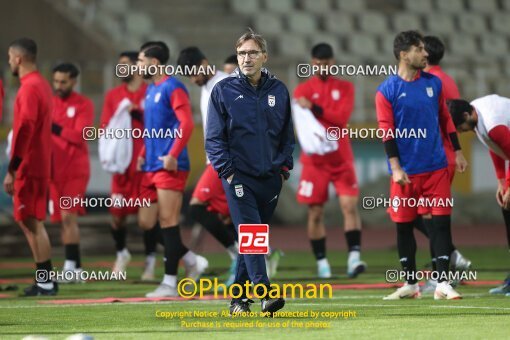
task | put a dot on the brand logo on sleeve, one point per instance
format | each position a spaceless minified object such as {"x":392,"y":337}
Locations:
{"x":271,"y":100}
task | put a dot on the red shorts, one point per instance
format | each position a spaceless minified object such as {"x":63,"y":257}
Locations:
{"x":30,"y":198}
{"x":315,"y":179}
{"x":66,"y":191}
{"x":210,"y":190}
{"x":162,"y":179}
{"x":127,"y":186}
{"x":423,"y":210}
{"x":432,"y":187}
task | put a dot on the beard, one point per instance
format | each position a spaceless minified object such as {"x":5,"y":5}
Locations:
{"x":15,"y":71}
{"x":63,"y":94}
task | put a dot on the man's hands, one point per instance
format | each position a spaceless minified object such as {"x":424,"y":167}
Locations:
{"x":460,"y":162}
{"x":304,"y":103}
{"x":503,"y":195}
{"x":9,"y":182}
{"x":169,"y":163}
{"x":229,"y":179}
{"x":399,"y":176}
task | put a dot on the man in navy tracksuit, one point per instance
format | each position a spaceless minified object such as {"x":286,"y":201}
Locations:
{"x":249,"y":141}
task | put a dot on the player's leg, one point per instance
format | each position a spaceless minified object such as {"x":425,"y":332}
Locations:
{"x":437,"y":186}
{"x":169,"y":190}
{"x":118,"y":231}
{"x":313,"y":191}
{"x":352,"y":228}
{"x":404,"y":217}
{"x":505,"y":287}
{"x":41,"y":251}
{"x":423,"y":223}
{"x":71,"y":241}
{"x":148,"y":222}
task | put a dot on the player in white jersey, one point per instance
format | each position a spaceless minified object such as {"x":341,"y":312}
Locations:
{"x":489,"y":118}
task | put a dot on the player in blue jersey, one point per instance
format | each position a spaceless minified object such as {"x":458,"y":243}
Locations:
{"x":164,"y":160}
{"x":413,"y":100}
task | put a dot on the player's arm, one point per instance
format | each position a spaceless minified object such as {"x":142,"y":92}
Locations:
{"x":287,"y":143}
{"x":107,"y":112}
{"x":216,"y":136}
{"x":179,"y":101}
{"x":386,"y":123}
{"x":447,"y":126}
{"x":340,"y":114}
{"x":84,"y":118}
{"x":1,"y":98}
{"x":28,"y":106}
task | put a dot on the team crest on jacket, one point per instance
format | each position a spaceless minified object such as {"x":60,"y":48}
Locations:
{"x":71,"y":111}
{"x":239,"y":190}
{"x":430,"y":91}
{"x":271,"y":100}
{"x":335,"y":94}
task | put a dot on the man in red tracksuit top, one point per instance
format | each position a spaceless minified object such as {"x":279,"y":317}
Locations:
{"x":128,"y":184}
{"x":331,"y":100}
{"x":72,"y":112}
{"x":28,"y":175}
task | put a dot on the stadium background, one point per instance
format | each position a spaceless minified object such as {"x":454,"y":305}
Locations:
{"x":91,"y":34}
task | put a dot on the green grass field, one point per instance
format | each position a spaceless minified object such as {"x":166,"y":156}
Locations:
{"x":478,"y":316}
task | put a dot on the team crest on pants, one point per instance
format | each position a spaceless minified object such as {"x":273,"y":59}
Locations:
{"x":430,"y":91}
{"x":239,"y":190}
{"x":271,"y":100}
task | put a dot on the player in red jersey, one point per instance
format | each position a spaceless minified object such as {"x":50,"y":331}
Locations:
{"x":1,"y":98}
{"x":127,"y":185}
{"x":72,"y":112}
{"x":331,"y":100}
{"x":28,"y":174}
{"x":435,"y":49}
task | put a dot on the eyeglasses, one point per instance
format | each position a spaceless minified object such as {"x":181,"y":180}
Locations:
{"x":252,"y":54}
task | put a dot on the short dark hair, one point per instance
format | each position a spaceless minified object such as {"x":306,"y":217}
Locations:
{"x":231,"y":59}
{"x":435,"y":48}
{"x":131,"y":55}
{"x":457,"y":107}
{"x":190,"y":56}
{"x":404,"y":40}
{"x":322,"y":51}
{"x":27,"y":46}
{"x":156,"y":49}
{"x":69,"y":68}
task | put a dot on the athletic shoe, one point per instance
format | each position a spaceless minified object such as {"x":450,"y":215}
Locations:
{"x":272,"y":262}
{"x":444,"y":291}
{"x":323,"y":269}
{"x":459,"y":262}
{"x":503,"y":289}
{"x":429,"y":287}
{"x":200,"y":266}
{"x":35,"y":290}
{"x":121,"y":262}
{"x":269,"y":305}
{"x":355,"y":267}
{"x":407,"y":291}
{"x":240,"y":306}
{"x":163,"y":290}
{"x":74,"y":277}
{"x":148,"y":272}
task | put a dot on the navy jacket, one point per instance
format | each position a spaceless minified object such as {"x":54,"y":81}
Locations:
{"x":249,"y":129}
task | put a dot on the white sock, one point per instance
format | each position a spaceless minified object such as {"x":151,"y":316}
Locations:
{"x":170,"y":280}
{"x":233,"y":251}
{"x":322,"y":262}
{"x":190,"y":258}
{"x":150,"y":260}
{"x":354,"y":255}
{"x":47,"y":285}
{"x":69,"y":265}
{"x":123,"y":253}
